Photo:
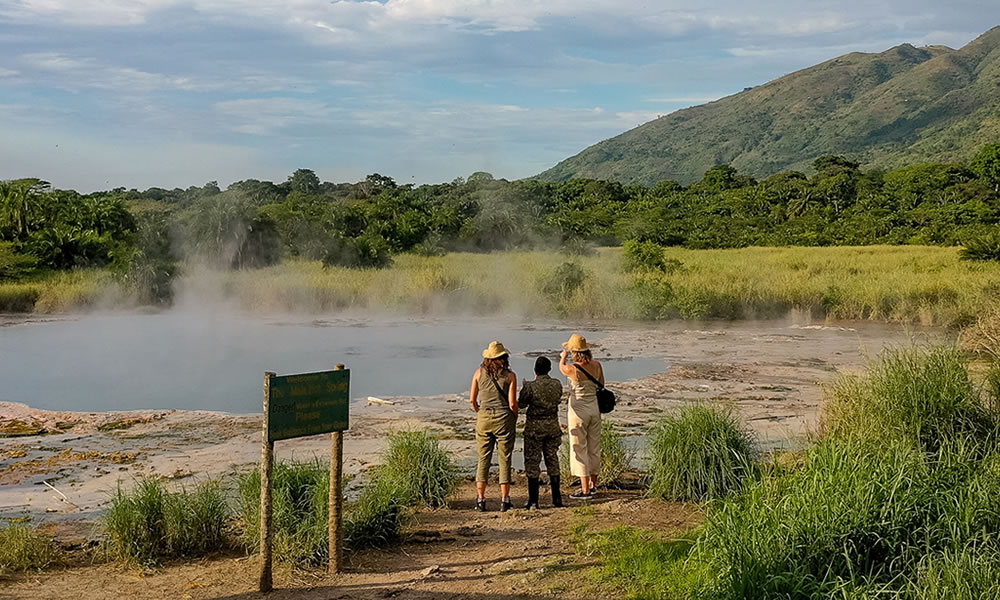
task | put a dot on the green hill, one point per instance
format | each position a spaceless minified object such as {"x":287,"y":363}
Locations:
{"x":898,"y":107}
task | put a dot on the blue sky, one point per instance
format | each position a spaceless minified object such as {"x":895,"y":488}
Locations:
{"x":103,"y":93}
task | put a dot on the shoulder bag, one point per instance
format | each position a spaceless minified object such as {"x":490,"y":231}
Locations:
{"x":605,"y":397}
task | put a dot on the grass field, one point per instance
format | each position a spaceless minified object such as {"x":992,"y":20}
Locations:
{"x":911,"y":284}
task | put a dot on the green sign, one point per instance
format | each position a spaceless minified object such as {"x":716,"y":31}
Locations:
{"x":308,"y":404}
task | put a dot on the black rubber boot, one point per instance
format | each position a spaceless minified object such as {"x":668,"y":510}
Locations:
{"x":556,"y":492}
{"x":532,"y":493}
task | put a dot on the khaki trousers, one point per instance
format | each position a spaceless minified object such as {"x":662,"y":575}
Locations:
{"x":584,"y":420}
{"x":495,"y":428}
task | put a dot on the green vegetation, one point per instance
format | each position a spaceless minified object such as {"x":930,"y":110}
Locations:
{"x":985,"y":246}
{"x":897,"y":500}
{"x":422,"y":467}
{"x":925,"y":285}
{"x":301,"y":504}
{"x":415,"y":470}
{"x":131,"y":244}
{"x":149,"y":523}
{"x":23,"y":548}
{"x":616,"y":457}
{"x":902,"y":106}
{"x":701,"y":453}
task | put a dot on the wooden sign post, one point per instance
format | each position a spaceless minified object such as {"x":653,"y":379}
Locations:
{"x":297,"y":406}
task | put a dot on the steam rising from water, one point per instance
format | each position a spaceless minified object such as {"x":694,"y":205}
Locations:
{"x":215,"y":360}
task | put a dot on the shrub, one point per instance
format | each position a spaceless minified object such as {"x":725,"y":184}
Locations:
{"x":699,"y":454}
{"x":423,"y":469}
{"x":982,"y":247}
{"x":24,"y":548}
{"x":616,"y":456}
{"x":14,"y":266}
{"x":642,"y":256}
{"x":566,"y":279}
{"x":919,"y":395}
{"x":18,"y":297}
{"x":149,"y":523}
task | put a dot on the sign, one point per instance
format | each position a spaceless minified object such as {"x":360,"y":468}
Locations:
{"x":296,"y":406}
{"x":308,"y":404}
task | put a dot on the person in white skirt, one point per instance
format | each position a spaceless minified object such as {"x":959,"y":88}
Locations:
{"x":584,"y":418}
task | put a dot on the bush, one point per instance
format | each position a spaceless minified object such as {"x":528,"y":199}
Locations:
{"x":18,"y":297}
{"x":699,"y":454}
{"x":14,"y":266}
{"x":149,"y":523}
{"x":982,"y":247}
{"x":920,"y":395}
{"x":565,"y":280}
{"x":423,"y":469}
{"x":24,"y":548}
{"x":616,"y":456}
{"x":642,"y":256}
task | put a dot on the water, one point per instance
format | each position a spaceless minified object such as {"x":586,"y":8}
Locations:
{"x":216,"y":361}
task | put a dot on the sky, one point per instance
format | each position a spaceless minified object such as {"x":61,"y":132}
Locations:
{"x":97,"y":94}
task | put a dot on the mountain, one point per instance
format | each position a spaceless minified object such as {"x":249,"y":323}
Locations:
{"x":898,"y":107}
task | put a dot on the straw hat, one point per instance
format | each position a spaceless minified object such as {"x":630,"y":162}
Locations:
{"x":496,"y":350}
{"x":576,"y":343}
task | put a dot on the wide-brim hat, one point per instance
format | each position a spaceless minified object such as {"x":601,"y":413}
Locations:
{"x":495,"y":350}
{"x":576,"y":343}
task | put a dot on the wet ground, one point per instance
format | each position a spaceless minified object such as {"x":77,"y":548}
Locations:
{"x":62,"y":465}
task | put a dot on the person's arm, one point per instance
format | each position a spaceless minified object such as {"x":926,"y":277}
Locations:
{"x":524,"y":396}
{"x":512,"y":392}
{"x":474,"y":394}
{"x":565,"y":369}
{"x":600,"y":373}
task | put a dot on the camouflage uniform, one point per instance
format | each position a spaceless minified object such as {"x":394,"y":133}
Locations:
{"x":542,"y":433}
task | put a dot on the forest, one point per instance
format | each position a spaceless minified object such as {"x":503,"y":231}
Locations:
{"x":147,"y":237}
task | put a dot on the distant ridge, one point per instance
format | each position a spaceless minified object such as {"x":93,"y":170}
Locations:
{"x":901,"y":106}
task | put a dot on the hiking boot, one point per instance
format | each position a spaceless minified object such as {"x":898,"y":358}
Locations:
{"x":506,"y":505}
{"x":556,"y":492}
{"x":480,"y":504}
{"x":532,"y":493}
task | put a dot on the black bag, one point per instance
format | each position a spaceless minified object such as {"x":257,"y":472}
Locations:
{"x":605,"y":397}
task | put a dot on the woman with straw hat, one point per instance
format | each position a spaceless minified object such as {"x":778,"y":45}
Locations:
{"x":584,"y":417}
{"x":494,"y":398}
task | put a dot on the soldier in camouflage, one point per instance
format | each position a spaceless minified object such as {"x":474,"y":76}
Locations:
{"x":542,"y":433}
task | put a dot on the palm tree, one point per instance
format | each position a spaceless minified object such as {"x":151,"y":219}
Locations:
{"x":20,"y":200}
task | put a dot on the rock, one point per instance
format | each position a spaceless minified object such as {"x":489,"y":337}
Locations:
{"x":374,"y":400}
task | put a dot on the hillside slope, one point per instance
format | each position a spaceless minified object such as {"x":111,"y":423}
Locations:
{"x":897,"y":107}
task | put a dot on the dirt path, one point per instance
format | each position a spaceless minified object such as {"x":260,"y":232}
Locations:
{"x":449,"y":554}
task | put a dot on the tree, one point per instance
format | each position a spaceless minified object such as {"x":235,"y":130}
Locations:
{"x":304,"y":181}
{"x":986,"y":165}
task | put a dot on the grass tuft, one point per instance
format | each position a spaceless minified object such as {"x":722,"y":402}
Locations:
{"x":701,"y":453}
{"x":24,"y":548}
{"x":423,"y":469}
{"x":149,"y":523}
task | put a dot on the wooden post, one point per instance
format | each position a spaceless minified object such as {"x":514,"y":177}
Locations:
{"x":266,"y":469}
{"x":336,"y":531}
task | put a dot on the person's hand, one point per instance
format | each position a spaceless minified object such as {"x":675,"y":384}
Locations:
{"x":523,"y":382}
{"x":563,"y":355}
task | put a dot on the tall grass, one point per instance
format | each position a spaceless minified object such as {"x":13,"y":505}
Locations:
{"x":300,"y":517}
{"x":911,"y":284}
{"x":616,"y":456}
{"x":24,"y":548}
{"x":148,"y":522}
{"x":701,"y":453}
{"x":415,"y":470}
{"x":423,"y":468}
{"x":64,"y":291}
{"x":918,"y":395}
{"x":898,"y":501}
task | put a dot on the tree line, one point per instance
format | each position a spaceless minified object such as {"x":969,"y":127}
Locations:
{"x":144,"y":235}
